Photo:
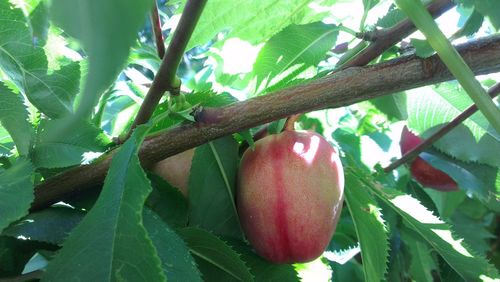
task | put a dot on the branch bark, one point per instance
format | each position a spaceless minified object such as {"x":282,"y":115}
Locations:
{"x":156,"y":27}
{"x":384,"y":39}
{"x":343,"y":88}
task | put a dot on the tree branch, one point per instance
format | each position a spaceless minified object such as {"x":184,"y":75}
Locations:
{"x":156,"y":25}
{"x":413,"y":153}
{"x":343,"y":88}
{"x":165,"y":78}
{"x":384,"y":39}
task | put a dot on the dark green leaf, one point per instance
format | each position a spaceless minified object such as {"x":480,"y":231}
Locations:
{"x":14,"y":118}
{"x":16,"y":192}
{"x":475,"y":232}
{"x":490,"y":9}
{"x":54,"y":150}
{"x":422,"y":263}
{"x":177,"y":262}
{"x":261,"y":269}
{"x":51,"y":225}
{"x":370,"y":228}
{"x":167,"y":202}
{"x":107,"y":30}
{"x":298,"y":46}
{"x":213,"y":253}
{"x":39,"y":19}
{"x":471,"y":26}
{"x":212,"y":184}
{"x":110,"y":243}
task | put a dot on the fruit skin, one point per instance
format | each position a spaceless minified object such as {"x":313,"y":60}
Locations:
{"x":290,"y":194}
{"x":175,"y":170}
{"x":421,"y":170}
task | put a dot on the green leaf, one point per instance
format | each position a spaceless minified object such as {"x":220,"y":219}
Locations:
{"x":26,"y":65}
{"x":16,"y":192}
{"x":18,"y":56}
{"x":177,"y":262}
{"x":393,"y":17}
{"x":14,"y":117}
{"x":39,"y":20}
{"x":14,"y":255}
{"x":212,"y":184}
{"x":431,"y":107}
{"x":212,"y":252}
{"x":107,"y":30}
{"x":471,"y":26}
{"x":474,"y":231}
{"x":260,"y":21}
{"x":50,"y":225}
{"x":476,"y":180}
{"x":452,"y":59}
{"x":393,"y":106}
{"x":261,"y":269}
{"x":422,"y":48}
{"x":436,"y":233}
{"x":110,"y":243}
{"x":490,"y":9}
{"x":167,"y":202}
{"x":295,"y":47}
{"x":422,"y":263}
{"x":370,"y":228}
{"x":53,"y":150}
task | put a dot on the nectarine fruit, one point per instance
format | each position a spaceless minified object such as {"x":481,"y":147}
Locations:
{"x":290,"y":194}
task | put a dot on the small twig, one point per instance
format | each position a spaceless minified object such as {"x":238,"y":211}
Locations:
{"x":165,"y":78}
{"x":384,"y":39}
{"x":156,"y":25}
{"x":34,"y":275}
{"x":413,"y":153}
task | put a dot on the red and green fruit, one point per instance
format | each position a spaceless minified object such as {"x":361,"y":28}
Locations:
{"x":175,"y":170}
{"x":421,"y":170}
{"x":290,"y":194}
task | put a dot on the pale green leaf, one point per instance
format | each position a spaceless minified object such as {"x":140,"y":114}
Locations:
{"x":55,"y":151}
{"x":431,"y":107}
{"x":107,"y":30}
{"x":14,"y":118}
{"x":490,"y":9}
{"x":261,"y":19}
{"x":212,"y":184}
{"x":111,"y":243}
{"x":177,"y":262}
{"x":212,"y":252}
{"x":16,"y":192}
{"x":296,"y":47}
{"x":370,"y":227}
{"x":437,"y":234}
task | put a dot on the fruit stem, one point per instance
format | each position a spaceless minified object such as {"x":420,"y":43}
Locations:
{"x":290,"y":122}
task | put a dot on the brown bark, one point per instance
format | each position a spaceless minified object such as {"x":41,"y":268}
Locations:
{"x":343,"y":88}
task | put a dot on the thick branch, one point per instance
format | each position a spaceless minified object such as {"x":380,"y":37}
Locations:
{"x":343,"y":88}
{"x":384,"y":39}
{"x":165,"y":78}
{"x":413,"y":153}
